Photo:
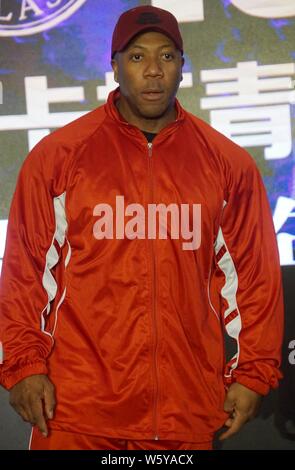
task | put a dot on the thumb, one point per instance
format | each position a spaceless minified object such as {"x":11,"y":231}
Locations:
{"x":49,"y":401}
{"x":229,"y":404}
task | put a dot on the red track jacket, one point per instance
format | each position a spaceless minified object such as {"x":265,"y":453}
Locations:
{"x":131,"y":330}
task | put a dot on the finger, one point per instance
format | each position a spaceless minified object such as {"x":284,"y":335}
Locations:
{"x":21,"y":410}
{"x":228,"y":404}
{"x":23,"y":413}
{"x":49,"y":401}
{"x":237,"y":422}
{"x":38,"y":416}
{"x":228,"y":423}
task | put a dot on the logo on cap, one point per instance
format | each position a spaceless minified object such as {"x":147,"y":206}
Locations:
{"x":148,"y":18}
{"x":22,"y":18}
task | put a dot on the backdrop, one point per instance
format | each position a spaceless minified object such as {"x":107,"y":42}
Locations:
{"x":239,"y":76}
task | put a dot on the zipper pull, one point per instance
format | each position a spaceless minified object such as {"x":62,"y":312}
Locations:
{"x":150,"y":147}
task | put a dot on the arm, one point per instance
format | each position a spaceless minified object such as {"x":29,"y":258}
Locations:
{"x":26,"y":289}
{"x":250,"y":289}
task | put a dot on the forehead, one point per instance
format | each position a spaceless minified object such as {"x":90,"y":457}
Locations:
{"x":150,"y":39}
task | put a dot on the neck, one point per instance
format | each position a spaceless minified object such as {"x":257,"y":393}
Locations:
{"x":146,"y":124}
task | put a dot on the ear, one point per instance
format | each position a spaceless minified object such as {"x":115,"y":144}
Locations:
{"x":114,"y":65}
{"x":182,"y":64}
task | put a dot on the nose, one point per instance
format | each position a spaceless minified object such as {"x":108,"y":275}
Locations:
{"x":153,"y":67}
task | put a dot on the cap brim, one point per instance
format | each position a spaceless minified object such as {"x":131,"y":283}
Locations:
{"x":144,"y":30}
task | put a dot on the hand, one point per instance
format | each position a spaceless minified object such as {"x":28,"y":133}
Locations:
{"x":242,"y":404}
{"x":27,"y":396}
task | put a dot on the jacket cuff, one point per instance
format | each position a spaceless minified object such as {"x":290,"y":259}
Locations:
{"x":9,"y":380}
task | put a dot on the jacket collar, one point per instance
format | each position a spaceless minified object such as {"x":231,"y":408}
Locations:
{"x":114,"y":114}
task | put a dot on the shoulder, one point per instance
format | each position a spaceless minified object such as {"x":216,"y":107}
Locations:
{"x":58,"y":149}
{"x":221,"y":147}
{"x":76,"y":132}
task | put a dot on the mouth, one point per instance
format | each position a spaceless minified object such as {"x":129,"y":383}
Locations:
{"x":152,"y":95}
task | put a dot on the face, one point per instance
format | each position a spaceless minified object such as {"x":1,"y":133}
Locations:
{"x":148,"y":72}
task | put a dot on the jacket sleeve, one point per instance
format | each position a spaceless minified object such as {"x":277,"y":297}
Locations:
{"x":251,"y":288}
{"x":26,"y":281}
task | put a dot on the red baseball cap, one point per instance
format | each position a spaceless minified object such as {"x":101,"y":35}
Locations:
{"x":145,"y":18}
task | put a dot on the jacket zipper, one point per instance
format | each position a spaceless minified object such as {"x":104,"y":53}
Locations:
{"x":156,"y":437}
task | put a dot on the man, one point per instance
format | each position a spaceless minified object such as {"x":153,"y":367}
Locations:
{"x":113,"y":334}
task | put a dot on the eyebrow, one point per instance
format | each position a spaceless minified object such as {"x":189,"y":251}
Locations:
{"x":142,"y":47}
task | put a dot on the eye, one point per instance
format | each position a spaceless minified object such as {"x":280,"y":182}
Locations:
{"x":136,"y":57}
{"x":168,"y":56}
